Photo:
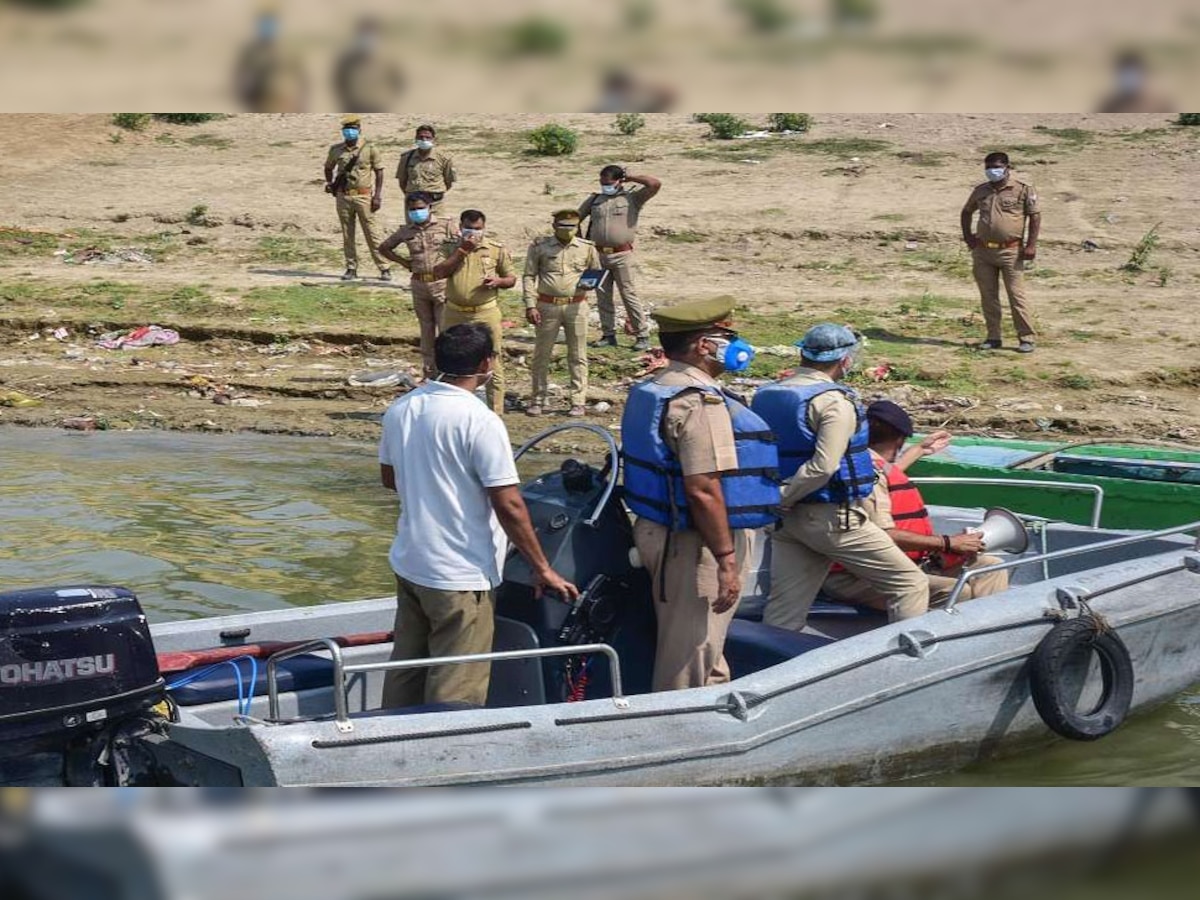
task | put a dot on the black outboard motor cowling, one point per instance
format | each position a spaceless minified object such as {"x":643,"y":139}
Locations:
{"x":74,"y":662}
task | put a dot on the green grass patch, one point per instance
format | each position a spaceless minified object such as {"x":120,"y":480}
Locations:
{"x":927,"y":304}
{"x":1069,"y":135}
{"x":828,"y":265}
{"x":890,"y":217}
{"x":278,"y":248}
{"x":347,"y":307}
{"x":15,"y":242}
{"x":951,"y":263}
{"x":926,"y":159}
{"x":844,"y":148}
{"x":208,"y":139}
{"x":686,"y":237}
{"x":1076,"y":381}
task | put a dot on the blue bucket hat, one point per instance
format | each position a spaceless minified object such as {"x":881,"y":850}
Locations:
{"x":827,"y":342}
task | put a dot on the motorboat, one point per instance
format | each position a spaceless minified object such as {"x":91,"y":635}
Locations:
{"x":1097,"y":624}
{"x":1144,"y":484}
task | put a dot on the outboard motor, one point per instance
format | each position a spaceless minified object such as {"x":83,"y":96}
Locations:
{"x":585,"y":532}
{"x":77,"y":670}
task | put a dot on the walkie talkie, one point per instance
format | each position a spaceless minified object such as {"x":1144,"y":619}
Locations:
{"x":578,"y":620}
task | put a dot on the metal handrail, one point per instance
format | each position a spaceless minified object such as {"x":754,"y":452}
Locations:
{"x":613,"y":471}
{"x":1095,"y":490}
{"x":339,"y":675}
{"x":967,"y":574}
{"x":340,"y":670}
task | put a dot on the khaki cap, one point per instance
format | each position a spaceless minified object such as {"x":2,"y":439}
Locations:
{"x":694,"y":315}
{"x":351,"y":120}
{"x":566,"y":217}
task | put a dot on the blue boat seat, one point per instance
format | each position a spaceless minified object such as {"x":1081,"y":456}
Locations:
{"x":752,"y":646}
{"x":219,"y":683}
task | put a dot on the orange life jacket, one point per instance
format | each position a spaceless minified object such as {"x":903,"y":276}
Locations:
{"x":909,"y":513}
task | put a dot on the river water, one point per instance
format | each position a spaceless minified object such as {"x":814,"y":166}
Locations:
{"x":205,"y":525}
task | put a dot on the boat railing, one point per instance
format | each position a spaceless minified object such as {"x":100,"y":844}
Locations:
{"x":613,"y":469}
{"x":968,"y":574}
{"x":341,"y":670}
{"x":1095,"y":490}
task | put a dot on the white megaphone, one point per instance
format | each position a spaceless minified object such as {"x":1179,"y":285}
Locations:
{"x":1003,"y":531}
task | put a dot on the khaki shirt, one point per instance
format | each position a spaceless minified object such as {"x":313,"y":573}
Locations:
{"x":696,"y":426}
{"x":833,"y":420}
{"x":1002,"y":210}
{"x":369,"y":162}
{"x":433,"y":173}
{"x":465,"y":287}
{"x":554,"y":268}
{"x":614,"y":219}
{"x":424,"y":243}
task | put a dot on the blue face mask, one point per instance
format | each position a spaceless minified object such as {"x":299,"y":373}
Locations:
{"x":350,"y":134}
{"x":609,"y":189}
{"x":995,"y":175}
{"x":735,"y":355}
{"x":419,"y":216}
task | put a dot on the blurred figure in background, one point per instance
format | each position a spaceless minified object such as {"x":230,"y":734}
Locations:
{"x":424,"y":168}
{"x":621,"y":92}
{"x":1133,"y":92}
{"x":358,"y":189}
{"x":270,"y":76}
{"x":364,"y":78}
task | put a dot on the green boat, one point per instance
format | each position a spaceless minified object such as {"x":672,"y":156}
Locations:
{"x":1140,"y":485}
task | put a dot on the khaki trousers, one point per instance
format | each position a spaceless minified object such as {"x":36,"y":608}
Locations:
{"x":620,"y":267}
{"x":430,"y":622}
{"x":813,"y":535}
{"x":429,"y":302}
{"x":851,"y":589}
{"x":353,"y":209}
{"x":989,"y":266}
{"x":489,"y":315}
{"x":571,"y":318}
{"x":683,"y":576}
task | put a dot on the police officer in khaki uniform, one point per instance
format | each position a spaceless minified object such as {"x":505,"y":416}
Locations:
{"x":426,"y":168}
{"x":612,"y":225}
{"x":358,"y":188}
{"x":700,"y":473}
{"x":823,"y":438}
{"x":1000,"y":247}
{"x":941,"y":556}
{"x":424,"y":236}
{"x":476,"y":269}
{"x":554,"y":302}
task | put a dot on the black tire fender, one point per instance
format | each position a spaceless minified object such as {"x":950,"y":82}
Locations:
{"x":1047,"y":681}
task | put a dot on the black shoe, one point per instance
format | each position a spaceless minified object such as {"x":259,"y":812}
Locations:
{"x":608,"y":340}
{"x":641,"y":344}
{"x":350,"y":275}
{"x":989,"y":345}
{"x":1026,"y":346}
{"x":385,"y":274}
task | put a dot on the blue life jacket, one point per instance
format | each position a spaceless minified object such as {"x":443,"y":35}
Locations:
{"x":784,"y":407}
{"x":653,"y":480}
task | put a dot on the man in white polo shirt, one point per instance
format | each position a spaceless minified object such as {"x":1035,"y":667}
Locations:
{"x":449,"y":458}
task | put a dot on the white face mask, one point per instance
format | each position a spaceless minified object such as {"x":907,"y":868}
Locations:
{"x":996,"y":174}
{"x":423,"y":144}
{"x":472,"y":234}
{"x":609,"y":189}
